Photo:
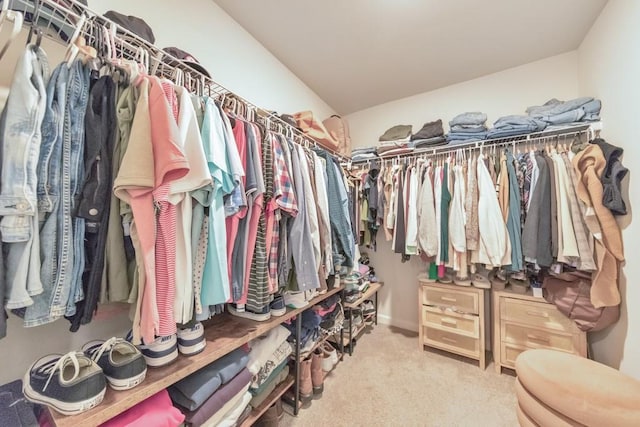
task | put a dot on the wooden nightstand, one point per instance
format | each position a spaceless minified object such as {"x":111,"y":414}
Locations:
{"x":522,"y":322}
{"x":452,"y":318}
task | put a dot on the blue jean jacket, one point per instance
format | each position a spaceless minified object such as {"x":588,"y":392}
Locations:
{"x":21,"y":139}
{"x":59,"y":183}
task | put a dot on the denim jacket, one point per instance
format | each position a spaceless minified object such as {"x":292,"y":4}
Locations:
{"x":21,"y":139}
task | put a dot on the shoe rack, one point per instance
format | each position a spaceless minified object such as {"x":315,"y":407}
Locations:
{"x":224,"y":333}
{"x":347,"y":339}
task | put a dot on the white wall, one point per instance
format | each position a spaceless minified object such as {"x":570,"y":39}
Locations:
{"x":498,"y":94}
{"x":232,"y":56}
{"x":234,"y":59}
{"x":609,"y":68}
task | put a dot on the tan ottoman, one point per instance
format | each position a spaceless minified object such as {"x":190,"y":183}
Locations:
{"x":540,"y":413}
{"x":523,"y":419}
{"x":580,"y":389}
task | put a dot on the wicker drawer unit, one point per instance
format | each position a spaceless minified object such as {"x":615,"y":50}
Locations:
{"x":452,"y":318}
{"x":523,"y":322}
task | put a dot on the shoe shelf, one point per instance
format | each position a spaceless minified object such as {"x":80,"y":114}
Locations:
{"x":373,"y":288}
{"x":224,"y":333}
{"x":273,"y":398}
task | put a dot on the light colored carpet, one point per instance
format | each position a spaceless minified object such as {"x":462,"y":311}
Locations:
{"x":389,"y":381}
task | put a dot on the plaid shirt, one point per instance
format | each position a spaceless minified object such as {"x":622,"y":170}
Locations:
{"x":284,"y":199}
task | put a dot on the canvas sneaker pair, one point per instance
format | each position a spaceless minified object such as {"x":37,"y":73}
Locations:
{"x":164,"y":350}
{"x":77,"y":381}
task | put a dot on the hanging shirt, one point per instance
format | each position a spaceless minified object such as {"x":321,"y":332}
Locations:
{"x":180,"y":196}
{"x":215,"y":277}
{"x":411,"y":244}
{"x":493,"y":233}
{"x":513,"y":219}
{"x":323,"y":204}
{"x":428,"y":236}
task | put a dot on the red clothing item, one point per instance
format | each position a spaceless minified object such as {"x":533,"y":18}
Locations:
{"x":157,"y":411}
{"x":233,"y":221}
{"x":166,"y":231}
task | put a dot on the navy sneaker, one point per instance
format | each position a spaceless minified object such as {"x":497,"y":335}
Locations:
{"x":277,"y":307}
{"x":122,"y":363}
{"x":241,"y":311}
{"x":69,"y":384}
{"x":191,"y":340}
{"x":161,"y":352}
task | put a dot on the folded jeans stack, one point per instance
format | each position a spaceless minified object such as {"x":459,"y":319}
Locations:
{"x":515,"y":125}
{"x":555,"y":112}
{"x":360,"y":154}
{"x":467,"y":127}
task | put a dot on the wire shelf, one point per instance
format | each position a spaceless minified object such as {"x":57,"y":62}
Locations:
{"x":58,"y":20}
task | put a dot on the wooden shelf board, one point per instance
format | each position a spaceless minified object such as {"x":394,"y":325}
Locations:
{"x":373,"y":288}
{"x":224,"y":333}
{"x":266,"y":404}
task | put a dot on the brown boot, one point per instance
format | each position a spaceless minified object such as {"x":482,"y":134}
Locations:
{"x":306,"y":386}
{"x":272,"y":417}
{"x":317,"y":375}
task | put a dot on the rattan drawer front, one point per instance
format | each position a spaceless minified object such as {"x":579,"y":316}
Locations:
{"x":537,"y":314}
{"x":446,"y":320}
{"x":464,"y":302}
{"x":537,"y":338}
{"x":451,"y":341}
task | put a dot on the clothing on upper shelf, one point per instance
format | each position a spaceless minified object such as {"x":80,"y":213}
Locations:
{"x":397,"y":133}
{"x":519,"y":211}
{"x":467,"y":127}
{"x":515,"y":125}
{"x":554,"y":112}
{"x":138,"y":191}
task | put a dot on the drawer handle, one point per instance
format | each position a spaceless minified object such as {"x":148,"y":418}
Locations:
{"x":532,"y":337}
{"x":451,"y":340}
{"x":538,"y":313}
{"x":448,"y":299}
{"x":449,"y":321}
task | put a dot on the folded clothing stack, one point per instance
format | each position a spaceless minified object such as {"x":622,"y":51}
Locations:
{"x":395,"y":141}
{"x":216,"y":394}
{"x":469,"y":126}
{"x":554,"y":112}
{"x":156,"y":410}
{"x":515,"y":125}
{"x":431,"y":134}
{"x":360,"y":154}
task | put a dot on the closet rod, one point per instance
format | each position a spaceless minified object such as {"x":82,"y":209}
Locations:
{"x":59,"y":19}
{"x":590,"y":128}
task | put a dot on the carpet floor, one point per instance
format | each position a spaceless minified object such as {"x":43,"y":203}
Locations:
{"x":389,"y":381}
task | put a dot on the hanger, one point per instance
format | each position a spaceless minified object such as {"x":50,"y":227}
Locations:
{"x":75,"y":47}
{"x":17,"y":19}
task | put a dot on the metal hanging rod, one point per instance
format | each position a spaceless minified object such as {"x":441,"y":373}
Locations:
{"x":59,"y":19}
{"x":489,"y":144}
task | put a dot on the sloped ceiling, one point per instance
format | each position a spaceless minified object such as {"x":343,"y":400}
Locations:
{"x":359,"y":53}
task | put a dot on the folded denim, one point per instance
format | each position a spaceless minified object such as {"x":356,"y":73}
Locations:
{"x":592,"y":107}
{"x":472,"y":118}
{"x":468,"y":128}
{"x":553,"y":106}
{"x":510,"y":131}
{"x":515,"y":120}
{"x":363,"y":150}
{"x":366,"y":156}
{"x":566,"y":117}
{"x":466,"y":136}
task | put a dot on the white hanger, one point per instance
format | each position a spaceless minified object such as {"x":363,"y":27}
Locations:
{"x":72,"y":48}
{"x":11,"y":16}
